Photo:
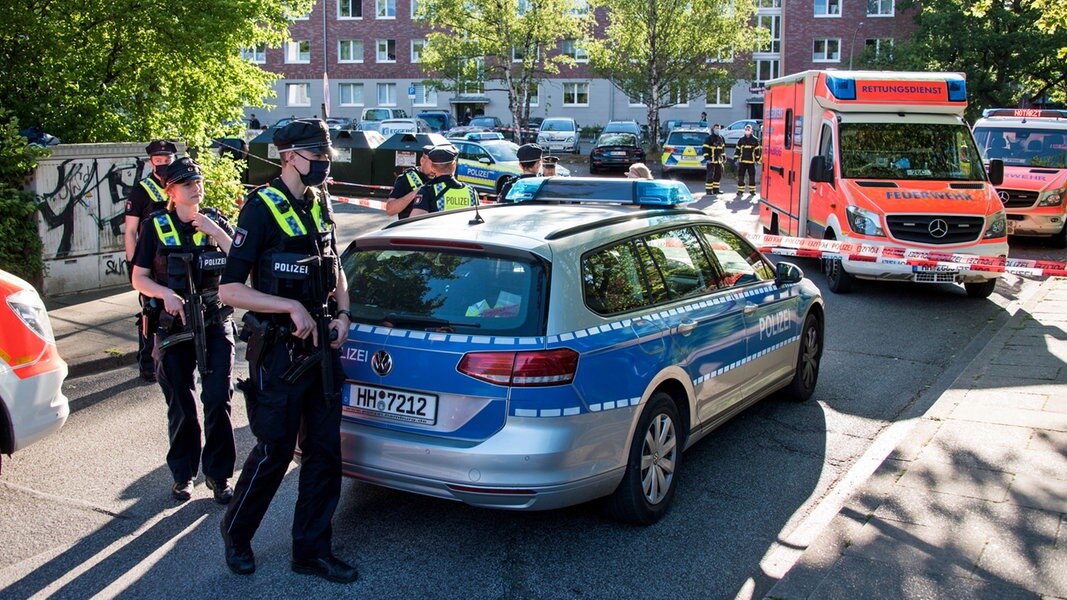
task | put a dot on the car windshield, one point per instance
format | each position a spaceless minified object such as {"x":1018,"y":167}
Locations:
{"x":376,"y":114}
{"x":557,"y":125}
{"x":686,"y":138}
{"x":1045,"y":148}
{"x":617,"y":139}
{"x":909,"y":151}
{"x":437,"y":122}
{"x":501,"y":150}
{"x":430,"y":289}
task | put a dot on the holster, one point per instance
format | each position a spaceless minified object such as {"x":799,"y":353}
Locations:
{"x":148,"y":318}
{"x":255,"y":333}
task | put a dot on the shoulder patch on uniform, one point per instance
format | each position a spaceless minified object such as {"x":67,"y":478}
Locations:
{"x":129,"y":205}
{"x":239,"y":236}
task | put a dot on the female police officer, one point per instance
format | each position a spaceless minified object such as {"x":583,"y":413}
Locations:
{"x":181,"y":252}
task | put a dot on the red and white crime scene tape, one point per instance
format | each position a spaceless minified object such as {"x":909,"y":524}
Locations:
{"x":893,"y":255}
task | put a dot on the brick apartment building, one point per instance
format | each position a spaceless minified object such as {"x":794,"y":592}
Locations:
{"x":369,"y":50}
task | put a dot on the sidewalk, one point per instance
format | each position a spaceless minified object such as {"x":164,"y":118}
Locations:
{"x":95,"y":332}
{"x":973,"y":502}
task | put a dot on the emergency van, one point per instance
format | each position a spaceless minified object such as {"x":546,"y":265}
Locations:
{"x":1033,"y":145}
{"x":881,"y":159}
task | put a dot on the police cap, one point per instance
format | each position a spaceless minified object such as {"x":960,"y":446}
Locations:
{"x":550,"y":160}
{"x":443,"y":154}
{"x":310,"y":135}
{"x":180,"y":171}
{"x":529,"y":153}
{"x":161,"y":147}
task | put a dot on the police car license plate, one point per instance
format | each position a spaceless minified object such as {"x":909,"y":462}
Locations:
{"x":389,"y":405}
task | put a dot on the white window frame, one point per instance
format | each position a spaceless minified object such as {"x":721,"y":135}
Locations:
{"x":892,"y":8}
{"x":635,"y":102}
{"x":770,"y":4}
{"x":774,"y":45}
{"x":425,"y":96}
{"x":516,"y":59}
{"x":386,"y":87}
{"x":776,"y":68}
{"x":578,"y":52}
{"x":292,"y":58}
{"x":880,"y":45}
{"x":291,"y":87}
{"x":352,"y":86}
{"x":382,"y":9}
{"x":718,"y":91}
{"x":575,"y":90}
{"x":825,"y":56}
{"x":414,"y":8}
{"x":378,"y":52}
{"x":535,"y":96}
{"x":676,"y":94}
{"x":828,"y":14}
{"x":352,"y":4}
{"x":421,"y":45}
{"x":719,"y":57}
{"x":256,"y":55}
{"x":357,"y":57}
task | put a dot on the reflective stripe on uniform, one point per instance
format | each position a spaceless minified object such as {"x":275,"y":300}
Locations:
{"x":413,"y":179}
{"x":285,"y":216}
{"x":168,"y":234}
{"x":453,"y":198}
{"x":154,"y":190}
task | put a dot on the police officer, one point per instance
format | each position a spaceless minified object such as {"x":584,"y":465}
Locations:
{"x":548,"y":165}
{"x":714,"y":157}
{"x":530,"y":163}
{"x":407,"y":185}
{"x":443,"y":192}
{"x":146,"y":197}
{"x":748,"y":153}
{"x":284,"y":231}
{"x":201,"y":238}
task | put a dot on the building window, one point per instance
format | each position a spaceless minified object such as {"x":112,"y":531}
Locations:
{"x":386,"y":94}
{"x":880,"y":8}
{"x":523,"y":7}
{"x":719,"y":96}
{"x":575,"y":94}
{"x":298,"y":52}
{"x":576,"y":50}
{"x":350,"y":51}
{"x":386,"y":51}
{"x":385,"y":9}
{"x":475,"y":87}
{"x":298,"y":94}
{"x":773,"y":25}
{"x":827,"y":8}
{"x":880,"y":47}
{"x":349,"y":9}
{"x":424,"y":95}
{"x":724,"y":55}
{"x":770,"y":3}
{"x":351,"y":94}
{"x":580,"y":7}
{"x":414,"y":8}
{"x":518,"y":54}
{"x":417,"y":46}
{"x":766,"y":70}
{"x":826,"y":50}
{"x":535,"y":96}
{"x":678,"y":97}
{"x":256,"y":55}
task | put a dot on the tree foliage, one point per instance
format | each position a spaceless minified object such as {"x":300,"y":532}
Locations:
{"x":20,"y":243}
{"x":514,"y":42}
{"x":122,"y":70}
{"x":663,"y":51}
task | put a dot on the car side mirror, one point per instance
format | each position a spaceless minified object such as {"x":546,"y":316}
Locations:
{"x":787,"y":273}
{"x":996,"y":171}
{"x":485,"y":161}
{"x":820,"y":170}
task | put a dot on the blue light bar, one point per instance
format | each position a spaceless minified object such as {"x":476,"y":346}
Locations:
{"x":662,"y":193}
{"x":525,"y":189}
{"x":843,"y":88}
{"x":957,"y":90}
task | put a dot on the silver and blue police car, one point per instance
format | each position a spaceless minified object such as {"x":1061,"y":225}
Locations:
{"x":565,"y":347}
{"x":485,"y":157}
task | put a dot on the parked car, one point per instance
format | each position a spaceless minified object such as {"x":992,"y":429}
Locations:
{"x":440,"y":120}
{"x":560,"y":134}
{"x":736,"y":130}
{"x":484,"y":158}
{"x":683,"y":151}
{"x":552,"y":352}
{"x":343,"y":123}
{"x":372,"y":118}
{"x":626,"y":127}
{"x":389,"y":127}
{"x":32,"y":404}
{"x":615,"y":151}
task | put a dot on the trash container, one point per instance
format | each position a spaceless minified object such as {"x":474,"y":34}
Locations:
{"x":263,"y":163}
{"x":399,"y":152}
{"x":352,"y":162}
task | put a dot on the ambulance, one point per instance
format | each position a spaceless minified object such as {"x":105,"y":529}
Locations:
{"x":881,"y":159}
{"x":1033,"y":145}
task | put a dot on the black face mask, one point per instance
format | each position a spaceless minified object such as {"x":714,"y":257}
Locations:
{"x":160,"y":170}
{"x":318,"y":171}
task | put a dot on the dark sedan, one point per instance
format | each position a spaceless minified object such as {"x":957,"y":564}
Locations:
{"x":615,"y":151}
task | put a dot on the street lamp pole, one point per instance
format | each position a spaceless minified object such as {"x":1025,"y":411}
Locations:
{"x":852,"y":45}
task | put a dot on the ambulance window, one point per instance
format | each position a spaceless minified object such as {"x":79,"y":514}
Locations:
{"x":826,"y":144}
{"x":788,"y":128}
{"x":738,"y":260}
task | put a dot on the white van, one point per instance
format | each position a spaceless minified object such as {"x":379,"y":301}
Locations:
{"x":371,"y":119}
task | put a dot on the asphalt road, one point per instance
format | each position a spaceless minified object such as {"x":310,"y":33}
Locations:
{"x":88,"y":511}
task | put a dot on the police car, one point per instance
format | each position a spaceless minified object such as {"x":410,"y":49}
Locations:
{"x":683,"y":151}
{"x":485,"y":157}
{"x":566,"y":347}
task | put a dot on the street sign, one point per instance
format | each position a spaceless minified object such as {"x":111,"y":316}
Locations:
{"x":411,"y":92}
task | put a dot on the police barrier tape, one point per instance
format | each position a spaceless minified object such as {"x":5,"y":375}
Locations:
{"x":892,"y":255}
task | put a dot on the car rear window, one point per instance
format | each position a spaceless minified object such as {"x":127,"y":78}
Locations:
{"x":433,"y":289}
{"x":379,"y":114}
{"x":686,"y":138}
{"x":617,"y":139}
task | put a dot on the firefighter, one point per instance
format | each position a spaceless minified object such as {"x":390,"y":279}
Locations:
{"x":407,"y":185}
{"x":443,"y":192}
{"x":714,"y":157}
{"x":748,"y":152}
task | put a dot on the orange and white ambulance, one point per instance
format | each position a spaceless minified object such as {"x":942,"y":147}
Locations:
{"x":1033,"y":145}
{"x":881,"y":159}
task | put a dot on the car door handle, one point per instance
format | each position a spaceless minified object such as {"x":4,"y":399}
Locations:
{"x":687,"y":326}
{"x":750,"y":308}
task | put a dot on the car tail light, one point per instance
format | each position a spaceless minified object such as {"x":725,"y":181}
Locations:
{"x":670,"y":149}
{"x":522,"y":369}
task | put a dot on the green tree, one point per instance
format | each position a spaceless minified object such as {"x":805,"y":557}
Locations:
{"x":510,"y":41}
{"x":666,"y":51}
{"x":20,"y":243}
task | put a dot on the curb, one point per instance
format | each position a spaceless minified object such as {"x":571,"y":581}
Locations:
{"x":93,"y":366}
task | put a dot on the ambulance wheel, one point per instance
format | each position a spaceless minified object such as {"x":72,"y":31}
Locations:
{"x":1059,"y":240}
{"x":980,"y":289}
{"x":644,"y":495}
{"x":839,"y":281}
{"x":807,"y":373}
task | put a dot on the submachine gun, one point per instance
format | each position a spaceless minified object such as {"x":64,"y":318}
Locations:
{"x":195,"y":328}
{"x":322,"y":316}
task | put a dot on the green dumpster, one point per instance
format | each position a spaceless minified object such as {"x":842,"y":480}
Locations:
{"x":399,"y":152}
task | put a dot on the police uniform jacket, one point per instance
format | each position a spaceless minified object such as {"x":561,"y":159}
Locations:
{"x":749,"y":149}
{"x":409,"y":180}
{"x":146,"y":197}
{"x":445,"y":193}
{"x":714,"y":148}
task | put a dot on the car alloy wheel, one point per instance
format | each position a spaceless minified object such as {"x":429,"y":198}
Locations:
{"x":644,"y":495}
{"x":807,"y":371}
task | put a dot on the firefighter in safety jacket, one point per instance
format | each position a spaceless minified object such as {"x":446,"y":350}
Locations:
{"x":178,"y":261}
{"x":748,"y":152}
{"x":443,"y":192}
{"x":714,"y":157}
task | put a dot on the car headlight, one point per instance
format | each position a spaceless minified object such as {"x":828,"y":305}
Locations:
{"x":29,"y":308}
{"x":864,"y":222}
{"x":570,"y":139}
{"x":1052,"y":197}
{"x":998,"y":226}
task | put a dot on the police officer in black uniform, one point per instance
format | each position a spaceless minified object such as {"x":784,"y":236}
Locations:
{"x":443,"y":192}
{"x":284,"y":232}
{"x":548,"y":165}
{"x":530,"y":163}
{"x":714,"y":157}
{"x":180,"y":243}
{"x":748,"y":153}
{"x":146,"y":197}
{"x":407,"y":185}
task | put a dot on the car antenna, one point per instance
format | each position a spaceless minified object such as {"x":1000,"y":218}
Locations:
{"x":477,"y":220}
